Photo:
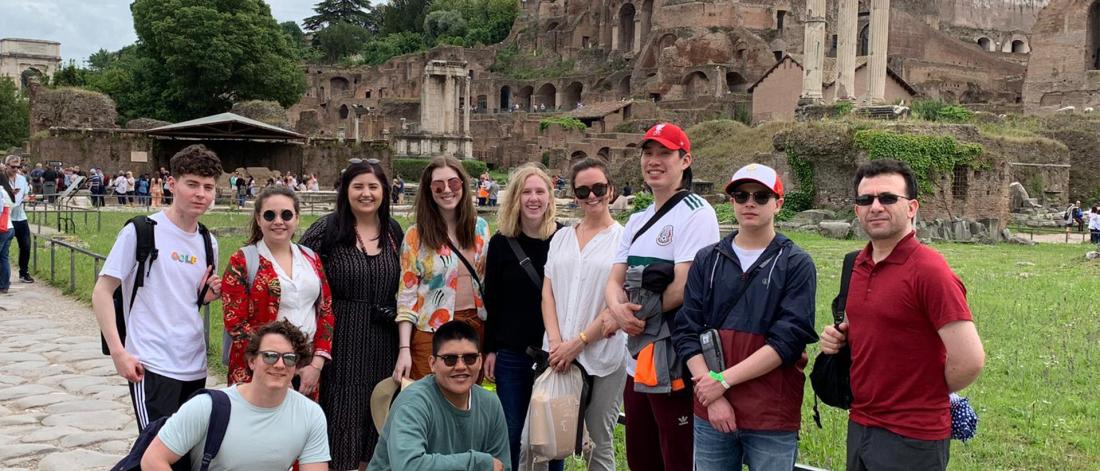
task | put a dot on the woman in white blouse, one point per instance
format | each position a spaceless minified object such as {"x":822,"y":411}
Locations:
{"x":272,"y":278}
{"x":573,"y":307}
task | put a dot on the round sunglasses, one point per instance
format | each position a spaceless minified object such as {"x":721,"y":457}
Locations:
{"x":285,"y":214}
{"x":454,"y":183}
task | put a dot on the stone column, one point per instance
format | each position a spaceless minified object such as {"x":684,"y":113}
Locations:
{"x":615,"y":35}
{"x":813,"y":50}
{"x":876,"y":64}
{"x":847,"y":23}
{"x":637,"y":35}
{"x":466,"y":112}
{"x":450,"y":105}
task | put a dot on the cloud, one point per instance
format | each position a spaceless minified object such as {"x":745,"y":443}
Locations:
{"x":85,"y":26}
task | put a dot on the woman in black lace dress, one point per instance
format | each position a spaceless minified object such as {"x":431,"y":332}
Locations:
{"x":359,"y":245}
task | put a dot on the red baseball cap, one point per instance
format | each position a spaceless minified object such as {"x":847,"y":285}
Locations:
{"x":668,"y":135}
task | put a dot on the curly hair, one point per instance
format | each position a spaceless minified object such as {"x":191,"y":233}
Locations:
{"x":196,"y":160}
{"x":290,"y":332}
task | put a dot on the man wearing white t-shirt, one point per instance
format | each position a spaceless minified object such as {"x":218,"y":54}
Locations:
{"x":659,"y":425}
{"x":164,"y":356}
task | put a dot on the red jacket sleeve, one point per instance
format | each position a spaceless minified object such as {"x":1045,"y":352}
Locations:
{"x":326,"y":320}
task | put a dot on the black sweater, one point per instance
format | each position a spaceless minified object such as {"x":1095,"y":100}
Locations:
{"x":513,"y":303}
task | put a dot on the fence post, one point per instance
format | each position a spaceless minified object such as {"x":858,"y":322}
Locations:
{"x":72,"y":270}
{"x":53,"y":248}
{"x":34,"y":250}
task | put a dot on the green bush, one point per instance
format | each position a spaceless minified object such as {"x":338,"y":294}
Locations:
{"x":411,"y":168}
{"x":566,"y":122}
{"x":724,"y":212}
{"x":928,"y":156}
{"x":934,"y":110}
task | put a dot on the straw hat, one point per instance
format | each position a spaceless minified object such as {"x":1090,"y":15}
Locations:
{"x":382,"y":398}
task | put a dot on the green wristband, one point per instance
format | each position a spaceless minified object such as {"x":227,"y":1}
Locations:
{"x":719,"y":378}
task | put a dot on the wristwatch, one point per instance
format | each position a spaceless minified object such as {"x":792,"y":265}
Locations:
{"x":719,"y":378}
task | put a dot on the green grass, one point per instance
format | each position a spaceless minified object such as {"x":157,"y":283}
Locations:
{"x":1037,"y":396}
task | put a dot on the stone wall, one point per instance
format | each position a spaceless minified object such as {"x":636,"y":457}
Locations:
{"x":326,"y":158}
{"x":70,"y":108}
{"x":109,"y":149}
{"x":1061,"y":71}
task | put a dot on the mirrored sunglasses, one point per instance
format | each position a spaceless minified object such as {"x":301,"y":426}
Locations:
{"x":290,"y":359}
{"x":454,"y":183}
{"x":285,"y":214}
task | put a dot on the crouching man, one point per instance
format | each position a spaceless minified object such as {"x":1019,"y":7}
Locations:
{"x":445,"y":421}
{"x":270,"y":425}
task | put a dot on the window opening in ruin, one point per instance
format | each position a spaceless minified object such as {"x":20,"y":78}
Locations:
{"x":1018,"y":47}
{"x":368,"y":93}
{"x":780,"y":19}
{"x":655,"y":97}
{"x":864,"y":38}
{"x":471,"y":73}
{"x":833,"y":46}
{"x":985,"y":44}
{"x":739,"y":55}
{"x":778,"y":55}
{"x":505,"y":98}
{"x":736,"y":83}
{"x":1094,"y":36}
{"x":626,"y":27}
{"x":482,"y":103}
{"x":585,"y":42}
{"x":344,"y":112}
{"x":960,"y":184}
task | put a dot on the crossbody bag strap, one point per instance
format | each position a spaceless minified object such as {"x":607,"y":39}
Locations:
{"x":664,"y":209}
{"x":524,"y":261}
{"x":208,"y":248}
{"x":841,"y":299}
{"x":469,"y":268}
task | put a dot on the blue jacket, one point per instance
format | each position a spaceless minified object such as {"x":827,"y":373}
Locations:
{"x":777,"y":309}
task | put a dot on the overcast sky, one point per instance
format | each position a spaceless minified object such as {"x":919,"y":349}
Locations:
{"x":84,"y":26}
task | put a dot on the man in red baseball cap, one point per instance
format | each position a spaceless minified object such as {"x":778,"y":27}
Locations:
{"x":663,"y":238}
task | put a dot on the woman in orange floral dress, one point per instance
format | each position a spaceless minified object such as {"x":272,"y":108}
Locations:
{"x":288,"y":283}
{"x":436,"y":287}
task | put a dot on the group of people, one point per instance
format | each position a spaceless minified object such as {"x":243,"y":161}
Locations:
{"x":487,"y":190}
{"x":700,"y":340}
{"x":16,"y":187}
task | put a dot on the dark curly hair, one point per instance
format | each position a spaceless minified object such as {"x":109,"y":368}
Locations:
{"x":289,"y":331}
{"x":196,"y":160}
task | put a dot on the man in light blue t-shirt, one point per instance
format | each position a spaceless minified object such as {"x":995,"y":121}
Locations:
{"x":270,"y":425}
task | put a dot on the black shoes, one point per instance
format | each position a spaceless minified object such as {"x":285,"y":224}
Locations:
{"x":26,"y":279}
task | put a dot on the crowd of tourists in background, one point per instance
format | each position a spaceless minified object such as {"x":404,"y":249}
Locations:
{"x":365,"y":344}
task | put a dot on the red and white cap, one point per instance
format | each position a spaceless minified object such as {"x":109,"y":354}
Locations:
{"x":668,"y":135}
{"x":758,"y":173}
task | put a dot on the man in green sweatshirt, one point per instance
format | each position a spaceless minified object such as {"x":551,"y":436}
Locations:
{"x":446,"y":421}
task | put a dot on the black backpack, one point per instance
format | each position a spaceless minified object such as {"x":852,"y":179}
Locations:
{"x":830,"y":376}
{"x":215,"y":433}
{"x":145,"y":254}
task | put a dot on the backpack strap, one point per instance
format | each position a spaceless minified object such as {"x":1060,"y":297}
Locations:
{"x":251,"y":264}
{"x":219,"y":422}
{"x":841,"y":299}
{"x":664,"y":209}
{"x":524,"y":261}
{"x":208,"y":248}
{"x":145,"y":252}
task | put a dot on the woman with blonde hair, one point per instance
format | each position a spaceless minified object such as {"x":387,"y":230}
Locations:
{"x":442,"y":265}
{"x":513,"y":292}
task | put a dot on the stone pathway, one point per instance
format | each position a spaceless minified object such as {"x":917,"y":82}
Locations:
{"x":62,"y":406}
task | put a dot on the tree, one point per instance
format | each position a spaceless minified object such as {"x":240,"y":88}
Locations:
{"x":382,"y":49}
{"x":14,"y":115}
{"x":101,"y":59}
{"x":401,"y":16}
{"x":331,"y":12}
{"x":198,"y":57}
{"x":69,"y":76}
{"x":444,"y":23}
{"x":340,"y":40}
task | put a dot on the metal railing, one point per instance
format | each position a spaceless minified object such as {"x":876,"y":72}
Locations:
{"x":53,"y":244}
{"x":39,"y":211}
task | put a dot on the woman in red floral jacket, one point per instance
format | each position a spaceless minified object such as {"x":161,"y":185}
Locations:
{"x":288,"y":283}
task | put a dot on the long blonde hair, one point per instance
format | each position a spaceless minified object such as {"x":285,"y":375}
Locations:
{"x":511,"y":213}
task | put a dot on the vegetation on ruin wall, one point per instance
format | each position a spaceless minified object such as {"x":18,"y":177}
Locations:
{"x":416,"y":25}
{"x":567,"y":123}
{"x":934,"y":110}
{"x":930,"y":157}
{"x":410,"y":168}
{"x":514,"y":64}
{"x":14,"y":115}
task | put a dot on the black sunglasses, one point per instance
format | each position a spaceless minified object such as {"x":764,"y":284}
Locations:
{"x":758,"y":197}
{"x":289,"y":359}
{"x":369,"y":161}
{"x":286,"y":214}
{"x":451,"y":360}
{"x":599,"y":189}
{"x":885,"y":198}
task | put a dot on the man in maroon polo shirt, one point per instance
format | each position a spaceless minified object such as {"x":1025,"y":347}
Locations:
{"x":912,"y":337}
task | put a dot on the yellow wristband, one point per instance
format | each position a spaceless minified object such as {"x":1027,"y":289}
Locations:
{"x":584,"y":338}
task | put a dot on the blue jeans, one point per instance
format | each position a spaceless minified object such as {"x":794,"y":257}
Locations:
{"x":760,"y":450}
{"x":5,"y":260}
{"x":515,"y":377}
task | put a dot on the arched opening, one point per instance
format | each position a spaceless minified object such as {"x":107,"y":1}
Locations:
{"x":338,"y":86}
{"x":1094,"y":36}
{"x":524,"y":97}
{"x":864,"y":40}
{"x":695,"y":84}
{"x":481,"y":104}
{"x":985,"y":44}
{"x":545,"y":98}
{"x":604,"y":154}
{"x":572,"y":95}
{"x":626,"y":27}
{"x":735,"y":83}
{"x":344,"y":112}
{"x":30,"y":74}
{"x":552,"y":26}
{"x":505,"y":98}
{"x":647,"y":21}
{"x":780,"y":19}
{"x":1019,"y":47}
{"x":577,"y":157}
{"x":624,"y":87}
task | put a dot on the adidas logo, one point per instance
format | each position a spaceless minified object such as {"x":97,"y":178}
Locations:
{"x":682,"y":420}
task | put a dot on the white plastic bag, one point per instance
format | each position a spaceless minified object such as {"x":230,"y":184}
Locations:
{"x":550,"y":431}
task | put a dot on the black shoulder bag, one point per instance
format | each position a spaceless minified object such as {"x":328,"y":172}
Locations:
{"x":830,"y":376}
